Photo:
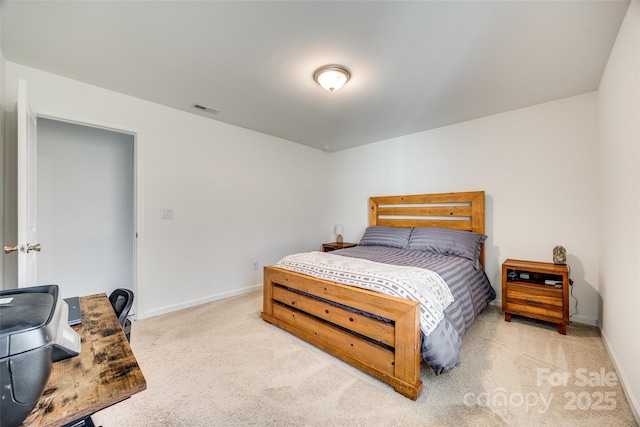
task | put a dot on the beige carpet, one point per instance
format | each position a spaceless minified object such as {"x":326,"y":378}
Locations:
{"x":220,"y":364}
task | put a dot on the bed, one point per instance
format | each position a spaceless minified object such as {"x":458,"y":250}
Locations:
{"x":385,"y":335}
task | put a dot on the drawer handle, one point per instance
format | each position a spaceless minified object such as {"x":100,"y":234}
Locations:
{"x":535,"y":302}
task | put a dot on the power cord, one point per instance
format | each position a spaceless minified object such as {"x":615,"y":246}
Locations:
{"x":571,"y":291}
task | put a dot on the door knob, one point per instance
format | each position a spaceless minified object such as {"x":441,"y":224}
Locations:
{"x":8,"y":249}
{"x":35,"y":247}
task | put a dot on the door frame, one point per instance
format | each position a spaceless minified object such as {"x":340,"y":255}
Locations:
{"x":137,"y":186}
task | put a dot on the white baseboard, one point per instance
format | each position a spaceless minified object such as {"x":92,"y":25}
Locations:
{"x":199,"y":301}
{"x":631,"y":398}
{"x":583,"y":320}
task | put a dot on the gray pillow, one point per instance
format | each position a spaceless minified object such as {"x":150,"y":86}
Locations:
{"x":449,"y":242}
{"x":379,"y":235}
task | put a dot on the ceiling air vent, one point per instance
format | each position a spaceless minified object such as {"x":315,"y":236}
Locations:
{"x":205,"y":109}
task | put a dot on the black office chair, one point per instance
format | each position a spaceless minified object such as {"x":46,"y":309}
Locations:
{"x":122,"y":301}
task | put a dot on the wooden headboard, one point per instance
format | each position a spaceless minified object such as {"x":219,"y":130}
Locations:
{"x":458,"y":211}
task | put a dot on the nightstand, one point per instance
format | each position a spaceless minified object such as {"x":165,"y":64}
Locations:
{"x":539,"y":290}
{"x":334,"y":246}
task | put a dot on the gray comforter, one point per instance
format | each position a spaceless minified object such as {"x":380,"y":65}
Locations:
{"x":470,"y":288}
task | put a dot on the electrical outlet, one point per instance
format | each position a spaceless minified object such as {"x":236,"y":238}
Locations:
{"x":166,"y":213}
{"x":256,"y":265}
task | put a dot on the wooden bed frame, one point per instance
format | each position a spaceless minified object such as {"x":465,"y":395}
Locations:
{"x":318,"y":310}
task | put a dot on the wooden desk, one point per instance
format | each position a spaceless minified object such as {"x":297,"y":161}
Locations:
{"x":104,"y":373}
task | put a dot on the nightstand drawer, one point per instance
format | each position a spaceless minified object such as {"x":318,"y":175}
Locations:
{"x":534,"y":308}
{"x":536,"y":295}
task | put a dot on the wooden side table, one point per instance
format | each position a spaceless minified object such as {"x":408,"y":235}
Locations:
{"x":334,"y":246}
{"x":539,"y":290}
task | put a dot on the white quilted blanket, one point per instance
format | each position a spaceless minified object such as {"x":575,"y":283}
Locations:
{"x":413,"y":283}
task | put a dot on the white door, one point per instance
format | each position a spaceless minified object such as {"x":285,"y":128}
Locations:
{"x":27,"y":246}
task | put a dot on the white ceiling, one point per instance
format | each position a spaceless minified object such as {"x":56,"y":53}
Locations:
{"x":415,"y":65}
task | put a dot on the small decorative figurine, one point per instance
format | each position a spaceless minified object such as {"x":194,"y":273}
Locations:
{"x":559,"y":255}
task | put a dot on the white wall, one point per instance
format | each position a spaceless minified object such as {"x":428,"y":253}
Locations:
{"x":238,"y":196}
{"x":537,"y":166}
{"x":619,"y":163}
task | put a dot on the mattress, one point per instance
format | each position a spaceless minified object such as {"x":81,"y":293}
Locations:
{"x":411,"y":283}
{"x":470,"y":288}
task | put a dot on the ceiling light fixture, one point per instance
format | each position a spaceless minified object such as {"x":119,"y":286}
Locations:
{"x":332,"y":77}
